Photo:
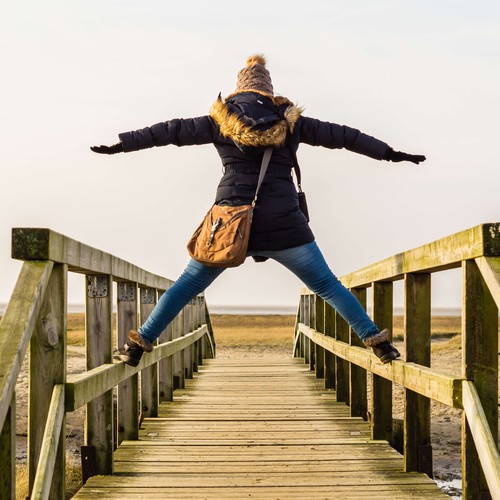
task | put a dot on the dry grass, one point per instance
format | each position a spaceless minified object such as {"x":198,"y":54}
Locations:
{"x":72,"y":484}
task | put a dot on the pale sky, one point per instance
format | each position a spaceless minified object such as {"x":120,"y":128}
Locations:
{"x":421,"y":75}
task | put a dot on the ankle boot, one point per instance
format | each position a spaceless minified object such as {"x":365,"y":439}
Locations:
{"x":381,"y":346}
{"x":131,"y":353}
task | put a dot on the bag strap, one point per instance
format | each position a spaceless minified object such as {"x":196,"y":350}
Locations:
{"x":296,"y":166}
{"x":263,"y":168}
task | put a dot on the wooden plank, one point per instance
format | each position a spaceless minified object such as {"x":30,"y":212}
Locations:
{"x":445,"y":253}
{"x":8,"y":453}
{"x":485,"y":444}
{"x":17,"y":325}
{"x":149,"y":376}
{"x":178,"y":358}
{"x":341,"y":365}
{"x":50,"y":442}
{"x":330,"y":368}
{"x":381,"y":392}
{"x":417,"y":328}
{"x":490,"y":270}
{"x":319,"y":326}
{"x":47,"y":367}
{"x":45,"y":244}
{"x":82,"y":388}
{"x":480,"y":364}
{"x":98,"y":343}
{"x":166,"y":368}
{"x":188,"y":352}
{"x":216,"y":443}
{"x":358,"y":385}
{"x":128,"y":390}
{"x":439,"y":386}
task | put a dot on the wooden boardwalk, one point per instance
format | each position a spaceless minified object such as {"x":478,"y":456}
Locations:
{"x":259,"y":429}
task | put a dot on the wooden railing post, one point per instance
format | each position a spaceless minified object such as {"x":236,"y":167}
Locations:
{"x":417,"y":328}
{"x":381,"y":411}
{"x":8,"y":453}
{"x":47,"y":367}
{"x":179,"y":382}
{"x":311,"y":322}
{"x":342,"y":366}
{"x":188,"y":352}
{"x":149,"y":376}
{"x":319,"y":325}
{"x":307,"y":342}
{"x":358,"y":379}
{"x":99,"y":327}
{"x":166,"y":368}
{"x":201,"y":344}
{"x":480,"y":365}
{"x":329,"y":357}
{"x":128,"y":391}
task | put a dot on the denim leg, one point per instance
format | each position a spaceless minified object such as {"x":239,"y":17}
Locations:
{"x":194,"y":280}
{"x":308,"y":264}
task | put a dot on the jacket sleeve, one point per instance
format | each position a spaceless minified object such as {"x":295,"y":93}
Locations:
{"x":330,"y":135}
{"x":180,"y":131}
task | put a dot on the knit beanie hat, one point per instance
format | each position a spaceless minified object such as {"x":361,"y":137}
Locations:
{"x":255,"y":76}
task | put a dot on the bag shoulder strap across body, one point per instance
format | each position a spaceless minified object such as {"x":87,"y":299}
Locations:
{"x":263,"y":169}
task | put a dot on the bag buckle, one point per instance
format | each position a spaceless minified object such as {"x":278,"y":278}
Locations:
{"x":215,"y":226}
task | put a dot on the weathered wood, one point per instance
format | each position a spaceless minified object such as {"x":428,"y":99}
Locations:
{"x":166,"y":369}
{"x":178,"y":359}
{"x":17,"y":325}
{"x":446,"y":253}
{"x":319,"y":326}
{"x":330,"y":368}
{"x":84,"y":387}
{"x":99,"y":327}
{"x":342,"y":365}
{"x":45,"y":244}
{"x":8,"y":453}
{"x":307,"y":342}
{"x":128,"y":399}
{"x":490,"y":270}
{"x":258,"y":452}
{"x":381,"y":403}
{"x":311,"y":322}
{"x":47,"y":367}
{"x":480,"y":364}
{"x":358,"y":389}
{"x":149,"y":376}
{"x":188,"y":353}
{"x":47,"y":464}
{"x":441,"y":387}
{"x":417,"y":328}
{"x":485,"y":443}
{"x":211,"y":338}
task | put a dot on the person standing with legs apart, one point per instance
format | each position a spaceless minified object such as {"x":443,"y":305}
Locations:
{"x":241,"y":127}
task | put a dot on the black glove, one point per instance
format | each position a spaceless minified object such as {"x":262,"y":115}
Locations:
{"x":108,"y":150}
{"x":397,"y":156}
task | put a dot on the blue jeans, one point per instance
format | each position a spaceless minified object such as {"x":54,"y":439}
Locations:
{"x":306,"y":262}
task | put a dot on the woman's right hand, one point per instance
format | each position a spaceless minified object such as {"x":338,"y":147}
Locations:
{"x":108,"y":150}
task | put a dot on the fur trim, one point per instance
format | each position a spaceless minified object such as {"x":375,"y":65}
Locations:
{"x":134,"y":337}
{"x":232,"y":127}
{"x":256,"y":59}
{"x":377,"y":339}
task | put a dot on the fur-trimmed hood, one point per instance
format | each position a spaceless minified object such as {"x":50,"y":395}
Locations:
{"x":237,"y":128}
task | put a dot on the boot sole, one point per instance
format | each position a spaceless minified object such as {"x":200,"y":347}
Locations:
{"x":387,"y":358}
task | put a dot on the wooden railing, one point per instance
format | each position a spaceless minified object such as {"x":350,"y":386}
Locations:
{"x":36,"y":317}
{"x":336,"y":354}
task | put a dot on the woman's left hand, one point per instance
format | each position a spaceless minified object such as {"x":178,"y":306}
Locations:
{"x":397,"y":156}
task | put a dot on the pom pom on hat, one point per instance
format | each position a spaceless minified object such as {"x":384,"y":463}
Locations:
{"x":256,"y":59}
{"x":255,"y":76}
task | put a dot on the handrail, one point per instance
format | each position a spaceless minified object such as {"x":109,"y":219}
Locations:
{"x":325,"y":341}
{"x":36,"y":315}
{"x":17,"y":324}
